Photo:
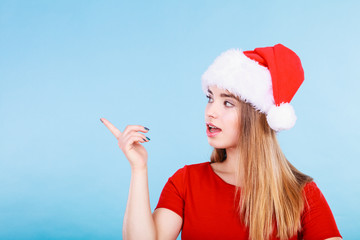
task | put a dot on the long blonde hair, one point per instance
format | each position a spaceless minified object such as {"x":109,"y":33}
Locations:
{"x":271,"y":191}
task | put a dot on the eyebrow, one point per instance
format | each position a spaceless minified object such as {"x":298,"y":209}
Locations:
{"x":224,"y":95}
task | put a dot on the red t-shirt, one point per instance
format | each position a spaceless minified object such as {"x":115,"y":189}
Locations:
{"x":206,"y":204}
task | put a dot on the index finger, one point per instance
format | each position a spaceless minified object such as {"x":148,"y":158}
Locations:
{"x":116,"y":132}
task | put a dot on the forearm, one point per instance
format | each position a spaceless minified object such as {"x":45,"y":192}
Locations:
{"x":138,"y":220}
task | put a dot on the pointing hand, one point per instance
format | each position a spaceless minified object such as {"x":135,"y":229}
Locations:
{"x":129,"y":142}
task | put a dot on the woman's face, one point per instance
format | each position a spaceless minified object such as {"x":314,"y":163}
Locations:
{"x":222,"y":112}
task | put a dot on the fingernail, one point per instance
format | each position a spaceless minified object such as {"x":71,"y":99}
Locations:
{"x":101,"y":120}
{"x":144,"y":140}
{"x":146,"y":128}
{"x":148,"y":138}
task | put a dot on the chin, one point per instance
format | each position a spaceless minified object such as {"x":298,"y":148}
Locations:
{"x":215,"y":144}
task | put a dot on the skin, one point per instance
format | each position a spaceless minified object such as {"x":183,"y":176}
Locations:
{"x":223,"y":113}
{"x":139,"y":222}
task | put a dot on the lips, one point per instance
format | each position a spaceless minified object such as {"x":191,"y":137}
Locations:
{"x":212,"y":130}
{"x":212,"y":126}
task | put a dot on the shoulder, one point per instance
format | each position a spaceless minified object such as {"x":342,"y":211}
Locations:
{"x":312,"y":191}
{"x":310,"y":187}
{"x":193,"y":168}
{"x":188,"y":176}
{"x":197,"y":166}
{"x":314,"y":198}
{"x":197,"y":169}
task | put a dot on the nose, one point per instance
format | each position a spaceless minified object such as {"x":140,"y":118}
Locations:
{"x":211,"y":111}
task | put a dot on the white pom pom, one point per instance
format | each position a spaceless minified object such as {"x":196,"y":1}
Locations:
{"x":281,"y":117}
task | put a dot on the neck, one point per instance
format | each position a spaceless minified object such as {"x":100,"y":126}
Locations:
{"x":232,"y":160}
{"x":228,"y":168}
{"x":231,"y":164}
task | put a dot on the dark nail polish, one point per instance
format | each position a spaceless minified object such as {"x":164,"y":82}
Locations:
{"x":144,"y":140}
{"x":146,"y":128}
{"x":148,"y":138}
{"x":101,"y":120}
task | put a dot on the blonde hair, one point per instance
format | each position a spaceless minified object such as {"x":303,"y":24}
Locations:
{"x":271,"y":191}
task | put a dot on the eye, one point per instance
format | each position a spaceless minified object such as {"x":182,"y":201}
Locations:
{"x":226,"y":103}
{"x":230,"y":104}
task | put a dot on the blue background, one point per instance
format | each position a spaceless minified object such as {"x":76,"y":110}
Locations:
{"x":65,"y":64}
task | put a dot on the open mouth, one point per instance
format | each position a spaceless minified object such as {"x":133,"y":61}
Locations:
{"x":212,"y":128}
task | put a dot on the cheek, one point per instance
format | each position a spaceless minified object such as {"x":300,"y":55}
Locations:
{"x":232,"y":121}
{"x":231,"y":118}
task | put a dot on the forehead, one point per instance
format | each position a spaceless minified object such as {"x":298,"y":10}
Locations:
{"x":217,"y":91}
{"x":213,"y":90}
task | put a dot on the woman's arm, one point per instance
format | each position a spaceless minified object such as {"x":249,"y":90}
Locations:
{"x":168,"y":223}
{"x":139,"y":223}
{"x":138,"y":220}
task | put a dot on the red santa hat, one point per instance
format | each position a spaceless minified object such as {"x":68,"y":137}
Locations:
{"x":266,"y":77}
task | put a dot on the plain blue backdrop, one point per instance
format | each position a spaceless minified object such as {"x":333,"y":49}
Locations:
{"x":65,"y":64}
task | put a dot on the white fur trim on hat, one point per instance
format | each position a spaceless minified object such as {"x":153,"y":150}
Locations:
{"x":243,"y":77}
{"x":281,"y":117}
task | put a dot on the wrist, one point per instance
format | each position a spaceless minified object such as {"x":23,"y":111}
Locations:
{"x":138,"y":169}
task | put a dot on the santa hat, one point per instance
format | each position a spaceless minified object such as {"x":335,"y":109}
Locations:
{"x":266,"y":77}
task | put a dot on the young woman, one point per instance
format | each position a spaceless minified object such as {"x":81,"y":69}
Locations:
{"x":248,"y":190}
